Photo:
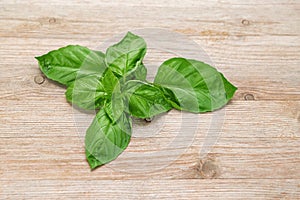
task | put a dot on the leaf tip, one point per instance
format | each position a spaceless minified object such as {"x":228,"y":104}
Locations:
{"x":38,"y":58}
{"x":129,"y":33}
{"x":93,"y":162}
{"x":94,"y":165}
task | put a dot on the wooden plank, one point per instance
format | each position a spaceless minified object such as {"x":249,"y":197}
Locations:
{"x":143,"y":16}
{"x":154,"y":189}
{"x":250,"y":158}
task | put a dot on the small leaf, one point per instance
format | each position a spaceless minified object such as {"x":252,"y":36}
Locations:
{"x":68,"y":63}
{"x":126,"y":55}
{"x":86,"y":92}
{"x":114,"y":105}
{"x":110,"y":82}
{"x":193,"y":86}
{"x":114,"y":108}
{"x":105,"y":140}
{"x":139,"y":73}
{"x":144,"y":99}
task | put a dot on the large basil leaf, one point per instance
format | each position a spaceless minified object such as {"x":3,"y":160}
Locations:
{"x":126,"y":55}
{"x":144,"y":100}
{"x":68,"y":63}
{"x":86,"y":92}
{"x":105,"y":140}
{"x":193,"y":86}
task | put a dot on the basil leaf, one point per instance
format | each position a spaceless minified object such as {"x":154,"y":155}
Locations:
{"x":193,"y":86}
{"x":110,"y":82}
{"x":114,"y":108}
{"x":126,"y":55}
{"x":229,"y":88}
{"x":86,"y":92}
{"x":105,"y":140}
{"x":114,"y":105}
{"x":144,"y":100}
{"x":68,"y":63}
{"x":139,"y":73}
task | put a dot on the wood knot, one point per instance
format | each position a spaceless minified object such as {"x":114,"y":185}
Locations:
{"x":245,"y":22}
{"x":52,"y":20}
{"x":39,"y":79}
{"x":209,"y":169}
{"x":249,"y":97}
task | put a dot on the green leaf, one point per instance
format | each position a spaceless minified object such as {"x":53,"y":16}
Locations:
{"x":126,"y":55}
{"x":114,"y":108}
{"x":193,"y":86}
{"x":144,"y":100}
{"x":105,"y":140}
{"x":90,"y":92}
{"x":110,"y":82}
{"x":114,"y":105}
{"x":139,"y":73}
{"x":86,"y":92}
{"x":68,"y":63}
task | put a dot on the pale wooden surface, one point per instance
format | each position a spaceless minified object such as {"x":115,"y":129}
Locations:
{"x":256,"y":44}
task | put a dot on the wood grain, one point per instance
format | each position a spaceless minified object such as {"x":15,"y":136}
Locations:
{"x":255,"y":154}
{"x":148,"y":189}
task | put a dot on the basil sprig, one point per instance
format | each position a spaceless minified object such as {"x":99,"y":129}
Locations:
{"x":115,"y":85}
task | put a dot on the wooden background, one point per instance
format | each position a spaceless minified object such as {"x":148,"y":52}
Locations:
{"x":256,"y":44}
